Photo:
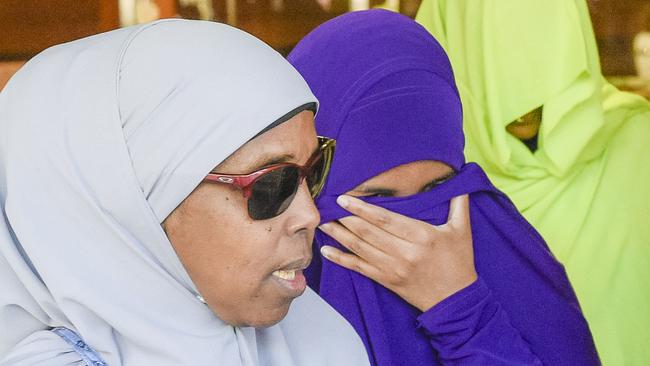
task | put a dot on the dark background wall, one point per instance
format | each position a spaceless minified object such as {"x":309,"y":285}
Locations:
{"x":29,"y":26}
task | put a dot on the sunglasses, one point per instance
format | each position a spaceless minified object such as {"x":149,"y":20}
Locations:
{"x":270,"y":190}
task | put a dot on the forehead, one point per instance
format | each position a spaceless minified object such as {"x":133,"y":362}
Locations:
{"x":292,"y":141}
{"x":407,"y":176}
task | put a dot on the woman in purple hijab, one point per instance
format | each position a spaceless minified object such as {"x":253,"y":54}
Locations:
{"x":388,"y":97}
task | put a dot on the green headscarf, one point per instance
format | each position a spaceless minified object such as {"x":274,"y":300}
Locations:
{"x":587,"y":186}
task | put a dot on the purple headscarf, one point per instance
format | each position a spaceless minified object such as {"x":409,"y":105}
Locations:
{"x":388,"y":97}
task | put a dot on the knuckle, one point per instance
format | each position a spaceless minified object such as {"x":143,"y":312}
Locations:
{"x":383,"y":219}
{"x":355,"y":245}
{"x":423,"y":236}
{"x":400,"y":274}
{"x":363,"y":231}
{"x":356,"y":266}
{"x":410,"y":259}
{"x":392,"y":280}
{"x":343,"y":260}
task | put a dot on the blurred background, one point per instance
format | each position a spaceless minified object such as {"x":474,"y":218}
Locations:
{"x":27,"y":27}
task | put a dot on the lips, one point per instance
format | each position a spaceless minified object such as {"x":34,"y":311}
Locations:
{"x":291,"y":277}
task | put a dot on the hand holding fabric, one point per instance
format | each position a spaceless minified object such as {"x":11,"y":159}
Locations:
{"x":422,"y":263}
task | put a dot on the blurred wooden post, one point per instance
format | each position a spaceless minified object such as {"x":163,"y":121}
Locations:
{"x":109,"y":15}
{"x":231,"y":12}
{"x":167,"y":8}
{"x":392,"y":5}
{"x":359,"y":5}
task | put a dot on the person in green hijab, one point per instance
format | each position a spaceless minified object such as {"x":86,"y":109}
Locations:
{"x":570,"y":150}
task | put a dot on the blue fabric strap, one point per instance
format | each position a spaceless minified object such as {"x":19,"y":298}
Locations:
{"x":89,"y":355}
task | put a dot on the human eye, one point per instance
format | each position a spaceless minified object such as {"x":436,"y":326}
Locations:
{"x":375,"y":193}
{"x":438,"y":181}
{"x":379,"y":194}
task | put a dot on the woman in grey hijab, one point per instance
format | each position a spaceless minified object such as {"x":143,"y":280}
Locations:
{"x":156,"y":188}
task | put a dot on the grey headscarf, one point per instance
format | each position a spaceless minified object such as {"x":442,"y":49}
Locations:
{"x":100,"y":139}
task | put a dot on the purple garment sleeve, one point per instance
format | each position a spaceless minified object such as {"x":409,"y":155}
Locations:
{"x":471,"y":328}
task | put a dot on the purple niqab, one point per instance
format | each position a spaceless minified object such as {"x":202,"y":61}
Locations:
{"x":388,"y":97}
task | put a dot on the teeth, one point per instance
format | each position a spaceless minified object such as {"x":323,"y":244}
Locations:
{"x":285,"y":275}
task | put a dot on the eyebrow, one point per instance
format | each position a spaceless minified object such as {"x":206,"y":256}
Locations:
{"x":272,"y":160}
{"x":279,"y":159}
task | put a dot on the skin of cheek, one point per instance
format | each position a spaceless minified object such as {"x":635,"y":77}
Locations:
{"x":230,"y":257}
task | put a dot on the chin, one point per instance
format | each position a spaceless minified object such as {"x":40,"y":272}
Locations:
{"x":262,"y":318}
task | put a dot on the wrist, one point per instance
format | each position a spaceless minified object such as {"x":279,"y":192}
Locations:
{"x":448,"y":289}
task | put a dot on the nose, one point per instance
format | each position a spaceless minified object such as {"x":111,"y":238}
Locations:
{"x":302,"y":213}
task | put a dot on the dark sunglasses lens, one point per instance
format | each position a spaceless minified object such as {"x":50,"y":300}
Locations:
{"x":273,"y":193}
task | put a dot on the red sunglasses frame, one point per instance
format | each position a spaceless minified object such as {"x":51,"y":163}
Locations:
{"x":245,"y":181}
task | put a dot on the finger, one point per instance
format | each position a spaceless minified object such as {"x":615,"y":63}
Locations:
{"x":459,"y":211}
{"x":380,"y":239}
{"x":351,"y":262}
{"x":355,"y":244}
{"x":394,"y":223}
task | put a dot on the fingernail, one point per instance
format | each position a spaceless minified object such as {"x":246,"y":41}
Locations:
{"x":326,"y":251}
{"x":325,"y":226}
{"x":343,"y":201}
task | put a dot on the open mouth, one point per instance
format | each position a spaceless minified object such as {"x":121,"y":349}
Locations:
{"x":291,"y":277}
{"x":288,"y":275}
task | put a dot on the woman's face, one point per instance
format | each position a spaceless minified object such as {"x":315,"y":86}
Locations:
{"x":526,"y":127}
{"x":405,"y":180}
{"x":232,"y":259}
